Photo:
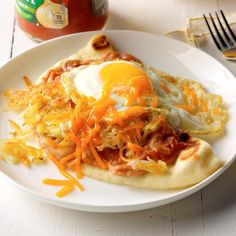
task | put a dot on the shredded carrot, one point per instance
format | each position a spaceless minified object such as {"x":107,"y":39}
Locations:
{"x":164,"y":87}
{"x":15,"y":126}
{"x":192,"y":95}
{"x":125,"y":138}
{"x":78,"y":170}
{"x":57,"y":182}
{"x":51,"y":142}
{"x":65,"y":190}
{"x":100,"y":109}
{"x":59,"y":116}
{"x":154,"y":101}
{"x":203,"y":104}
{"x":75,"y":139}
{"x":27,"y":81}
{"x":67,"y":158}
{"x":120,"y":116}
{"x":138,"y":132}
{"x":193,"y":98}
{"x":131,"y":132}
{"x":187,"y":108}
{"x":97,"y":157}
{"x":121,"y":154}
{"x":64,"y":141}
{"x":64,"y":173}
{"x":92,"y":133}
{"x":170,"y":79}
{"x":77,"y":119}
{"x":135,"y":148}
{"x":71,"y":164}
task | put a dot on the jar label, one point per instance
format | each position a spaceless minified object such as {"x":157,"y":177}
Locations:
{"x":52,"y":14}
{"x":99,"y":7}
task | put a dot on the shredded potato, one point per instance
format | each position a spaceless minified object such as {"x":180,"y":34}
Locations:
{"x":72,"y":128}
{"x":18,"y":151}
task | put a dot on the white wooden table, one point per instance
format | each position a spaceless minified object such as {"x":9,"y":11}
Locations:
{"x":211,"y":211}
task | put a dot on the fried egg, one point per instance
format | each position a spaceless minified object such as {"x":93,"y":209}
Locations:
{"x":124,"y":82}
{"x":185,"y":102}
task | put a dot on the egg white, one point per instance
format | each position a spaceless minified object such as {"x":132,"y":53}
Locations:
{"x":87,"y":82}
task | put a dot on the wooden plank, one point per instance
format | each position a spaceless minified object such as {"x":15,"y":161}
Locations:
{"x":50,"y":220}
{"x":6,"y":29}
{"x":206,"y":44}
{"x":188,"y":214}
{"x":227,"y":6}
{"x":22,"y":215}
{"x":220,"y":204}
{"x":151,"y":16}
{"x":145,"y":222}
{"x":21,"y":42}
{"x":7,"y":24}
{"x":196,"y":8}
{"x":187,"y":217}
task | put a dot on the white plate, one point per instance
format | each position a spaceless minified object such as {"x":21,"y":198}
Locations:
{"x":166,"y":54}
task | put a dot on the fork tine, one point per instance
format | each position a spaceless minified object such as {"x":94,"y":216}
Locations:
{"x":212,"y":35}
{"x":228,"y":26}
{"x":217,"y":32}
{"x":223,"y":30}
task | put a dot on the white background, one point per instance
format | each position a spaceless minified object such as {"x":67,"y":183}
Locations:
{"x":211,"y":211}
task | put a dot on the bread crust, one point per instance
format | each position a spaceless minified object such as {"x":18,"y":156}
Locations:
{"x":187,"y":171}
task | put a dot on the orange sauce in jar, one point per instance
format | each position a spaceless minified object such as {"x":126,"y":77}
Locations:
{"x":46,"y":19}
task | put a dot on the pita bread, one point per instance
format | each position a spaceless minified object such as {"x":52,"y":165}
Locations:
{"x":191,"y":166}
{"x":186,"y":171}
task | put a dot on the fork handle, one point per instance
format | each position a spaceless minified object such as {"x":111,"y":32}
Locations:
{"x":230,"y":54}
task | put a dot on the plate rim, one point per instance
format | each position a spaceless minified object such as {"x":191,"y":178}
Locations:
{"x":120,"y":208}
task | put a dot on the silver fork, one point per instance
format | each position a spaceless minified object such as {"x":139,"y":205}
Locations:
{"x":224,"y":42}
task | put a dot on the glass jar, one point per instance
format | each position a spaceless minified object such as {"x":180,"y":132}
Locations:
{"x":46,"y":19}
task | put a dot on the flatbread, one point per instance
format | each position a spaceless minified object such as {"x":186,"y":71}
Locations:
{"x":191,"y":167}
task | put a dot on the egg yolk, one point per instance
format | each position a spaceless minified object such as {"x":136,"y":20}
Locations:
{"x":126,"y":80}
{"x":129,"y":82}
